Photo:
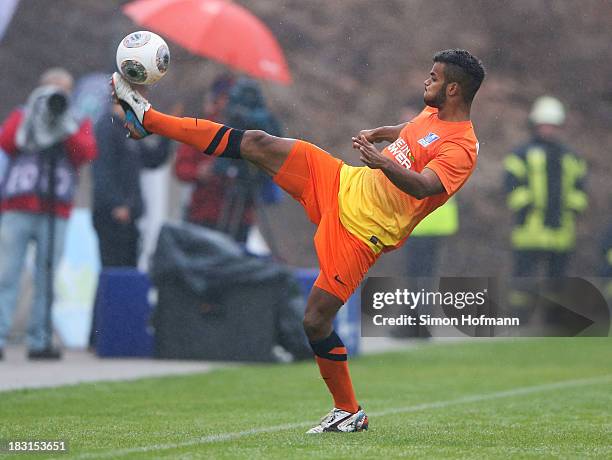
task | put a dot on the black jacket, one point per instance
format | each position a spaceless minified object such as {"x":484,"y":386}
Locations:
{"x":116,"y":171}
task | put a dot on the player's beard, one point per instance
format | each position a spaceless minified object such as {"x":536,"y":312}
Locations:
{"x":438,"y":100}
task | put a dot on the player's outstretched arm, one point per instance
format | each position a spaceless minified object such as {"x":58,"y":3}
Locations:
{"x":419,"y":185}
{"x":382,"y":133}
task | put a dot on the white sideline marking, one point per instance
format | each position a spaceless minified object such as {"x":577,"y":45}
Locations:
{"x":398,"y":410}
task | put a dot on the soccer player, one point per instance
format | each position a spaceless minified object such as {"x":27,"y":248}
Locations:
{"x":360,"y":211}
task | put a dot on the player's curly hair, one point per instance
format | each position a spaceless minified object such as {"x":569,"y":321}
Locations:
{"x":464,"y":68}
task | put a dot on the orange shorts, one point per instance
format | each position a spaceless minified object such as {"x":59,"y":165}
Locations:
{"x":312,"y":177}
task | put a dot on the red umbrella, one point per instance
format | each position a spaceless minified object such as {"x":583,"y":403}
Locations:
{"x":217,"y":29}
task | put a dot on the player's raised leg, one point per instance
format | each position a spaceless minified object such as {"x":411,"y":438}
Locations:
{"x":297,"y":172}
{"x":266,"y":151}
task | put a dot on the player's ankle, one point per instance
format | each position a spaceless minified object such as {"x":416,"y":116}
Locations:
{"x":348,"y":408}
{"x":146,"y":112}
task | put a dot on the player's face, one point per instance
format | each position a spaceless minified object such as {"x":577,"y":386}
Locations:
{"x":435,"y":87}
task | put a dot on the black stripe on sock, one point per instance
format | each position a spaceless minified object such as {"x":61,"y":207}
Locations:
{"x":331,"y":357}
{"x":322,"y":348}
{"x":233,"y":144}
{"x":210,"y":150}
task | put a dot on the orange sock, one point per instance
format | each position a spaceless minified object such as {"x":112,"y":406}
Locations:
{"x":333,"y":366}
{"x":205,"y":135}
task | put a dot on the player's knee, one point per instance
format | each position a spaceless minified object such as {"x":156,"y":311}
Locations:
{"x":315,"y":326}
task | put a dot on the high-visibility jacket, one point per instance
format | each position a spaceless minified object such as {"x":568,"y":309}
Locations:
{"x":545,"y":187}
{"x":444,"y":221}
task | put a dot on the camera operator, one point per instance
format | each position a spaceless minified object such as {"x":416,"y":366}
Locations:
{"x":46,"y":146}
{"x":226,"y":190}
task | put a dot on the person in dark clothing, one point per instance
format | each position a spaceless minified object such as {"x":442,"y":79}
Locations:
{"x":605,"y":269}
{"x":117,"y":197}
{"x":545,"y":187}
{"x":606,"y":253}
{"x":211,"y":204}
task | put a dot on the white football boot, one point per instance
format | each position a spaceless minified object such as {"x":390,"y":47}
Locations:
{"x":341,"y":421}
{"x":134,"y":105}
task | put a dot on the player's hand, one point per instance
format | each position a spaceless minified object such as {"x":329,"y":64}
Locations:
{"x":370,"y":155}
{"x":205,"y":171}
{"x":122,"y":214}
{"x":368,"y":134}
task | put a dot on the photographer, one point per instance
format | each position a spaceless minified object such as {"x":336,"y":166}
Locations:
{"x":46,"y":146}
{"x":225,"y":191}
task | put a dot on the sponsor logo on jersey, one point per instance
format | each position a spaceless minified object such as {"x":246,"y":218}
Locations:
{"x":429,"y":139}
{"x":337,"y":278}
{"x":401,"y":152}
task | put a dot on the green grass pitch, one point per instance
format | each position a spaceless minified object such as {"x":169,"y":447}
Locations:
{"x":546,"y":398}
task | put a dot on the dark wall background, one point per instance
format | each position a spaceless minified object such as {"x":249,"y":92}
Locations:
{"x":354,"y":63}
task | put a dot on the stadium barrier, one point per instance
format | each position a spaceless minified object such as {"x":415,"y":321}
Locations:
{"x":122,"y":314}
{"x":123,"y":321}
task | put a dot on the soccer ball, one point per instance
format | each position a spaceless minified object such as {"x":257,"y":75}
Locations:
{"x":143,"y":57}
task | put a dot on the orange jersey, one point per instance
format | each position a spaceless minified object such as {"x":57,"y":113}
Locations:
{"x":376,"y":211}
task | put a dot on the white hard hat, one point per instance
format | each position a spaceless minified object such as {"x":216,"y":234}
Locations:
{"x":547,"y":110}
